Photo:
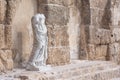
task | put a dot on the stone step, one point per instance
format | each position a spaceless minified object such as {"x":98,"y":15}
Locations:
{"x":80,"y":69}
{"x":98,"y":75}
{"x":115,"y":79}
{"x":77,"y":70}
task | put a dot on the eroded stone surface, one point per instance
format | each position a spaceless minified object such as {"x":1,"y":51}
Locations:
{"x":3,"y":6}
{"x":6,"y":59}
{"x":114,"y":52}
{"x":2,"y":36}
{"x":76,"y":70}
{"x":55,"y":14}
{"x":8,"y":37}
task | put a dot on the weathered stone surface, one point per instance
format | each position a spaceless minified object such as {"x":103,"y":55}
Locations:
{"x":8,"y":36}
{"x":2,"y":36}
{"x":98,"y":4}
{"x":2,"y":10}
{"x":6,"y":58}
{"x":11,"y":10}
{"x":94,"y":16}
{"x":76,"y":70}
{"x":74,"y":31}
{"x":84,"y":37}
{"x":115,"y":10}
{"x":57,"y":36}
{"x":55,"y":14}
{"x":97,"y":52}
{"x":2,"y":67}
{"x":91,"y":51}
{"x":101,"y":51}
{"x":115,"y":35}
{"x":99,"y":36}
{"x":58,"y":56}
{"x":57,"y":2}
{"x":93,"y":38}
{"x":114,"y":52}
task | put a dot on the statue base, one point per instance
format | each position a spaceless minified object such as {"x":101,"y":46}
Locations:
{"x":44,"y":68}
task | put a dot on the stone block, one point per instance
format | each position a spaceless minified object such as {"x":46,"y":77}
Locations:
{"x":58,"y":56}
{"x":11,"y":9}
{"x":94,"y":17}
{"x":98,"y":4}
{"x":8,"y":36}
{"x":84,"y":36}
{"x":91,"y":51}
{"x":93,"y":38}
{"x":57,"y":36}
{"x":104,"y":36}
{"x":101,"y":51}
{"x":99,"y":36}
{"x":2,"y":10}
{"x":2,"y":67}
{"x":115,"y":35}
{"x":114,"y":52}
{"x":101,"y":58}
{"x":97,"y":52}
{"x":55,"y":14}
{"x":6,"y":59}
{"x":2,"y":36}
{"x":57,"y":2}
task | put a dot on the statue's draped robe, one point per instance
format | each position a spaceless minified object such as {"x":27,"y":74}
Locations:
{"x":39,"y":52}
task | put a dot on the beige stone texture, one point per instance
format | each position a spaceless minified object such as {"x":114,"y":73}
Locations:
{"x":2,"y":36}
{"x":99,"y":36}
{"x":74,"y":31}
{"x":58,"y":2}
{"x":2,"y":67}
{"x":97,"y":52}
{"x":101,"y":51}
{"x":58,"y":44}
{"x":115,"y":11}
{"x":91,"y":51}
{"x":57,"y":36}
{"x":8,"y":37}
{"x":55,"y":14}
{"x":2,"y":10}
{"x":98,"y":4}
{"x":93,"y":37}
{"x":76,"y":70}
{"x":84,"y":37}
{"x":12,"y":6}
{"x":114,"y":52}
{"x":6,"y":59}
{"x":115,"y":35}
{"x":58,"y":56}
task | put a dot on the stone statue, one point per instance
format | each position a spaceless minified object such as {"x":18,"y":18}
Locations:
{"x":39,"y":53}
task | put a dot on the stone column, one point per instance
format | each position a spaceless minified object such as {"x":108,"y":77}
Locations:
{"x":57,"y":15}
{"x":7,"y":10}
{"x":114,"y":46}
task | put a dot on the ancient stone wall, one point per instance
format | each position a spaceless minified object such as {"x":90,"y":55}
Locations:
{"x":56,"y":12}
{"x":74,"y":30}
{"x":7,"y":10}
{"x":99,"y":30}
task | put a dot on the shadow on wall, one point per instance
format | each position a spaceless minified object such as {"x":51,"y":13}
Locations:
{"x":84,"y":8}
{"x":106,"y":19}
{"x":22,"y":30}
{"x":17,"y":56}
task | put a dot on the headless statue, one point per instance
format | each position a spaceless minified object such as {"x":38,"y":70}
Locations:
{"x":39,"y":53}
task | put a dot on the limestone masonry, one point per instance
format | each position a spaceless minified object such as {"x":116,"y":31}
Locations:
{"x":80,"y":32}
